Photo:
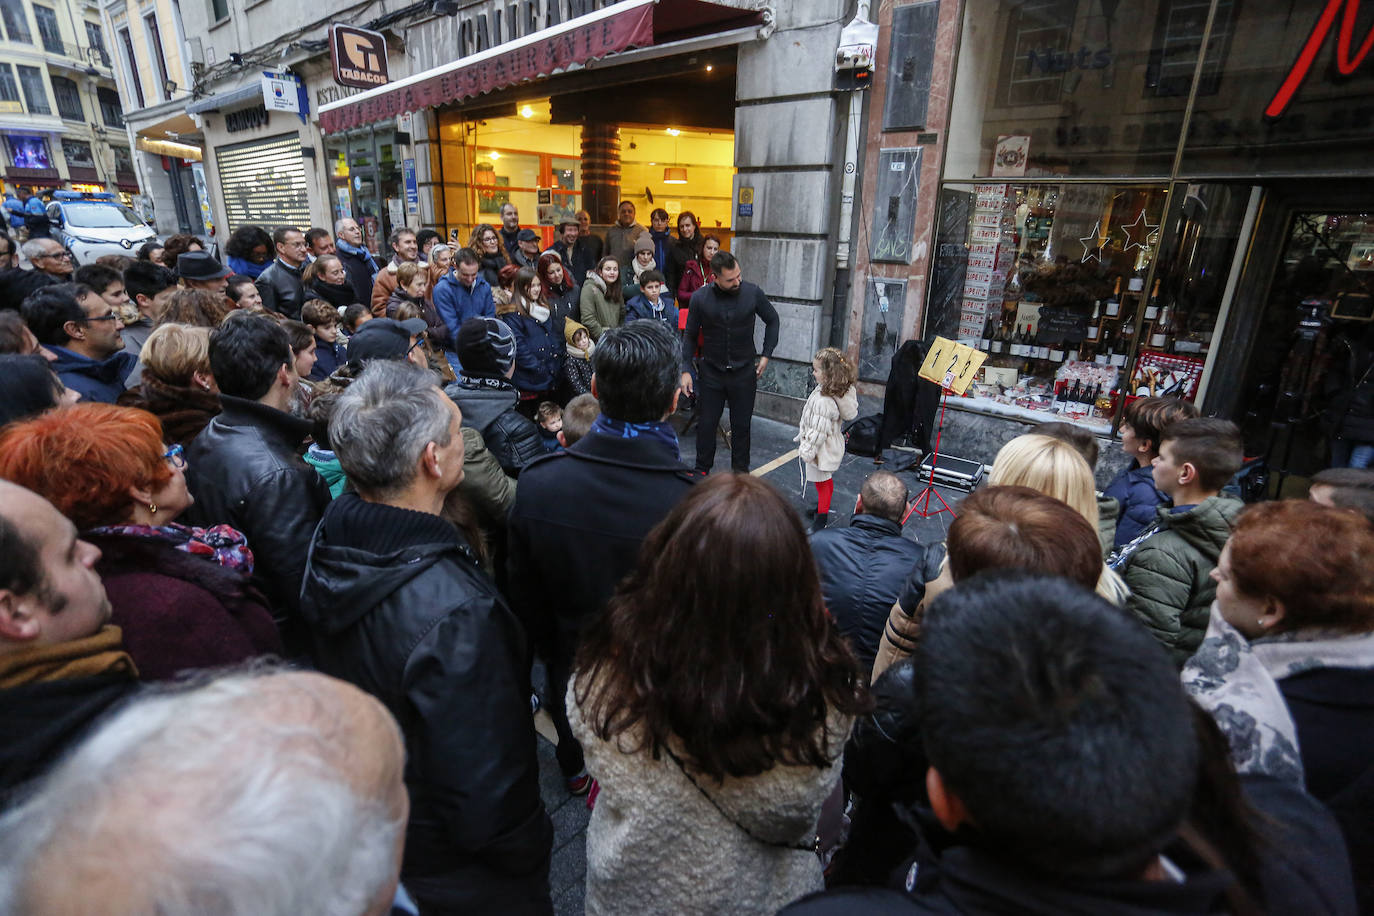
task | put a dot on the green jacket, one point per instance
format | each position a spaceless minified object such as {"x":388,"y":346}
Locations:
{"x":1170,"y":572}
{"x":329,"y":468}
{"x":599,"y":314}
{"x":1108,"y":511}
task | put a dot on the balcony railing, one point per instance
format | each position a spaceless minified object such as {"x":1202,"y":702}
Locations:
{"x":87,"y":55}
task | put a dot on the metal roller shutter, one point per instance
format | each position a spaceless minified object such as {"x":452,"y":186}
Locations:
{"x":264,"y":183}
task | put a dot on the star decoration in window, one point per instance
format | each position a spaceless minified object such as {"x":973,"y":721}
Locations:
{"x":1137,"y":234}
{"x":1092,"y":244}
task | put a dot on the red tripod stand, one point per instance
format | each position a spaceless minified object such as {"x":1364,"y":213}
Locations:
{"x":921,"y":504}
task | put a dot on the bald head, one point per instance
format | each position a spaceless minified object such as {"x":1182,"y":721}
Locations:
{"x":884,"y":495}
{"x":259,"y":792}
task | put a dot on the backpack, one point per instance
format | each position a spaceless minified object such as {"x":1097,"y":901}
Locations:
{"x":861,"y":435}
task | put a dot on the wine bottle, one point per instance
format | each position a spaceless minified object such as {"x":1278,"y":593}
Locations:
{"x":1152,"y":308}
{"x":995,"y":344}
{"x":1093,"y":321}
{"x":1114,"y":303}
{"x":984,"y":340}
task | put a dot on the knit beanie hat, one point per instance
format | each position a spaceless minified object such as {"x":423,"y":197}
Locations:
{"x":485,"y":347}
{"x":644,"y":243}
{"x":570,"y":329}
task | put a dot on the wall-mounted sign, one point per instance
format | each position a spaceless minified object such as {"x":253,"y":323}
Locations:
{"x":246,"y":119}
{"x":284,"y":92}
{"x":411,"y":185}
{"x":359,"y":56}
{"x":1346,"y":62}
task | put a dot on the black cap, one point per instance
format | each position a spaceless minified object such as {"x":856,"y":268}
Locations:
{"x":527,"y":235}
{"x":384,"y":338}
{"x":200,"y":265}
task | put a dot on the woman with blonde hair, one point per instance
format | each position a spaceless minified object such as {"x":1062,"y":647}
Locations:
{"x":177,"y":385}
{"x":1040,"y":463}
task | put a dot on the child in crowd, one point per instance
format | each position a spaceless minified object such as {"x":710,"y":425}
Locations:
{"x":411,"y":281}
{"x":354,"y":317}
{"x":833,"y":401}
{"x":1085,"y":443}
{"x":1134,"y":487}
{"x":1345,"y":488}
{"x":330,"y":353}
{"x":640,"y":264}
{"x":577,"y":368}
{"x":550,"y":418}
{"x":578,"y":418}
{"x":652,"y":301}
{"x":1169,"y":566}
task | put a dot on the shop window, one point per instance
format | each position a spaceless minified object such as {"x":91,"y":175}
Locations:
{"x":68,"y":99}
{"x":35,"y":96}
{"x":48,"y":30}
{"x":110,"y":111}
{"x":263,"y":182}
{"x":16,"y":25}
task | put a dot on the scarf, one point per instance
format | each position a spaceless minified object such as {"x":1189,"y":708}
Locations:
{"x":579,"y":353}
{"x":621,"y":429}
{"x":539,"y":313}
{"x":221,"y":544}
{"x":1237,"y":682}
{"x":91,"y":656}
{"x":639,"y":269}
{"x":360,"y":252}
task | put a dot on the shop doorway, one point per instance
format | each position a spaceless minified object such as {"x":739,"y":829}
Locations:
{"x":365,"y":183}
{"x":1311,"y":276}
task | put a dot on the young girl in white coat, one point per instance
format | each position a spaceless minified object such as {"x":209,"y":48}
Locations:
{"x":821,"y":448}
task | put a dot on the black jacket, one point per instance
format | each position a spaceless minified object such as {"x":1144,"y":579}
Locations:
{"x":727,"y":322}
{"x":909,"y":402}
{"x":398,"y":605}
{"x":678,"y":255}
{"x":488,"y":406}
{"x":281,"y":289}
{"x":586,"y":252}
{"x":360,"y":275}
{"x":245,"y":470}
{"x":42,"y":719}
{"x":339,"y":295}
{"x":863,"y":568}
{"x":576,"y":526}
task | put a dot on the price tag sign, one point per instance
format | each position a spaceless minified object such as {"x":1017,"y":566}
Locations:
{"x":952,"y":365}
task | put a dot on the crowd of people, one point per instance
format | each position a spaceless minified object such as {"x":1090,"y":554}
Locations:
{"x":269,"y":613}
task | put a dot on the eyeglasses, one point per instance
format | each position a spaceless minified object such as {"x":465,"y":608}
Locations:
{"x":419,"y":339}
{"x":110,"y":317}
{"x":54,"y":255}
{"x":176,"y":457}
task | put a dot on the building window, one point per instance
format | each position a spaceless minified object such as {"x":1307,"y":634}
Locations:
{"x":78,"y":154}
{"x":110,"y":112}
{"x":68,"y":99}
{"x":124,"y":160}
{"x":1178,"y":37}
{"x":155,"y":47}
{"x":131,"y":61}
{"x":9,"y":89}
{"x":31,"y":78}
{"x":47,"y":28}
{"x":1040,"y":32}
{"x":16,"y":25}
{"x":95,"y":38}
{"x":219,"y":10}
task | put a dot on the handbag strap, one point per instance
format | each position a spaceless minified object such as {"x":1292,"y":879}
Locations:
{"x":813,"y":846}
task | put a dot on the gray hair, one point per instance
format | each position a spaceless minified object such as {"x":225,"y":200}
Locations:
{"x":383,"y":422}
{"x":37,"y":248}
{"x":338,"y":223}
{"x":441,"y":247}
{"x":226,"y":799}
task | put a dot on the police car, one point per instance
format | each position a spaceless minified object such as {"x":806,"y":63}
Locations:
{"x":91,"y":225}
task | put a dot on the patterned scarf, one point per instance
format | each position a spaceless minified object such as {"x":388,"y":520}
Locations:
{"x":620,"y":429}
{"x":221,"y":544}
{"x":1237,"y":682}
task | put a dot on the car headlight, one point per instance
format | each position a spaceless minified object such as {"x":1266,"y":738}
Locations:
{"x":86,"y":241}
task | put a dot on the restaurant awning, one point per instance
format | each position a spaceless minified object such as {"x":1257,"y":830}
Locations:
{"x":616,"y":28}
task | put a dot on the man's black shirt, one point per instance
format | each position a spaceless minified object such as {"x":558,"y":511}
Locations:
{"x":726,"y":321}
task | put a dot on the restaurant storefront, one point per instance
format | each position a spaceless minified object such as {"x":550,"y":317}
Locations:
{"x":1123,"y":215}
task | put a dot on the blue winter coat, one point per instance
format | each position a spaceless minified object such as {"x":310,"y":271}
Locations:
{"x":1134,"y":489}
{"x":97,"y":380}
{"x":328,"y":357}
{"x":537,"y":354}
{"x":456,"y":303}
{"x":640,"y":307}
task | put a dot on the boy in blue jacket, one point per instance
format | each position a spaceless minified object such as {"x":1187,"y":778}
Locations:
{"x":1134,"y":488}
{"x":652,"y":302}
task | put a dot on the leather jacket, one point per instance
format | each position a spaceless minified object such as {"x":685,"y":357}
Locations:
{"x":245,"y":470}
{"x":281,"y":289}
{"x":399,"y":606}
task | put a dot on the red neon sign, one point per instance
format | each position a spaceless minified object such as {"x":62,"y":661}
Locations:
{"x":1345,"y":63}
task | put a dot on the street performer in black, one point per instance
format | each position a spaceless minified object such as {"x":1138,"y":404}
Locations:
{"x":724,"y":313}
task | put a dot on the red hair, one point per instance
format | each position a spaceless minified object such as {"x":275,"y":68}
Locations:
{"x":1313,"y":559}
{"x":84,"y":458}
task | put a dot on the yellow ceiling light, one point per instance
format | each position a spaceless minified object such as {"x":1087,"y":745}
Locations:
{"x":710,"y":67}
{"x":494,"y":155}
{"x":674,"y":175}
{"x":527,"y":112}
{"x":671,"y":131}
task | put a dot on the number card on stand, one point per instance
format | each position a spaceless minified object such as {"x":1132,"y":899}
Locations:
{"x":952,"y":365}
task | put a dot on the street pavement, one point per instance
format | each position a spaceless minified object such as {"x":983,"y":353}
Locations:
{"x":773,"y":458}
